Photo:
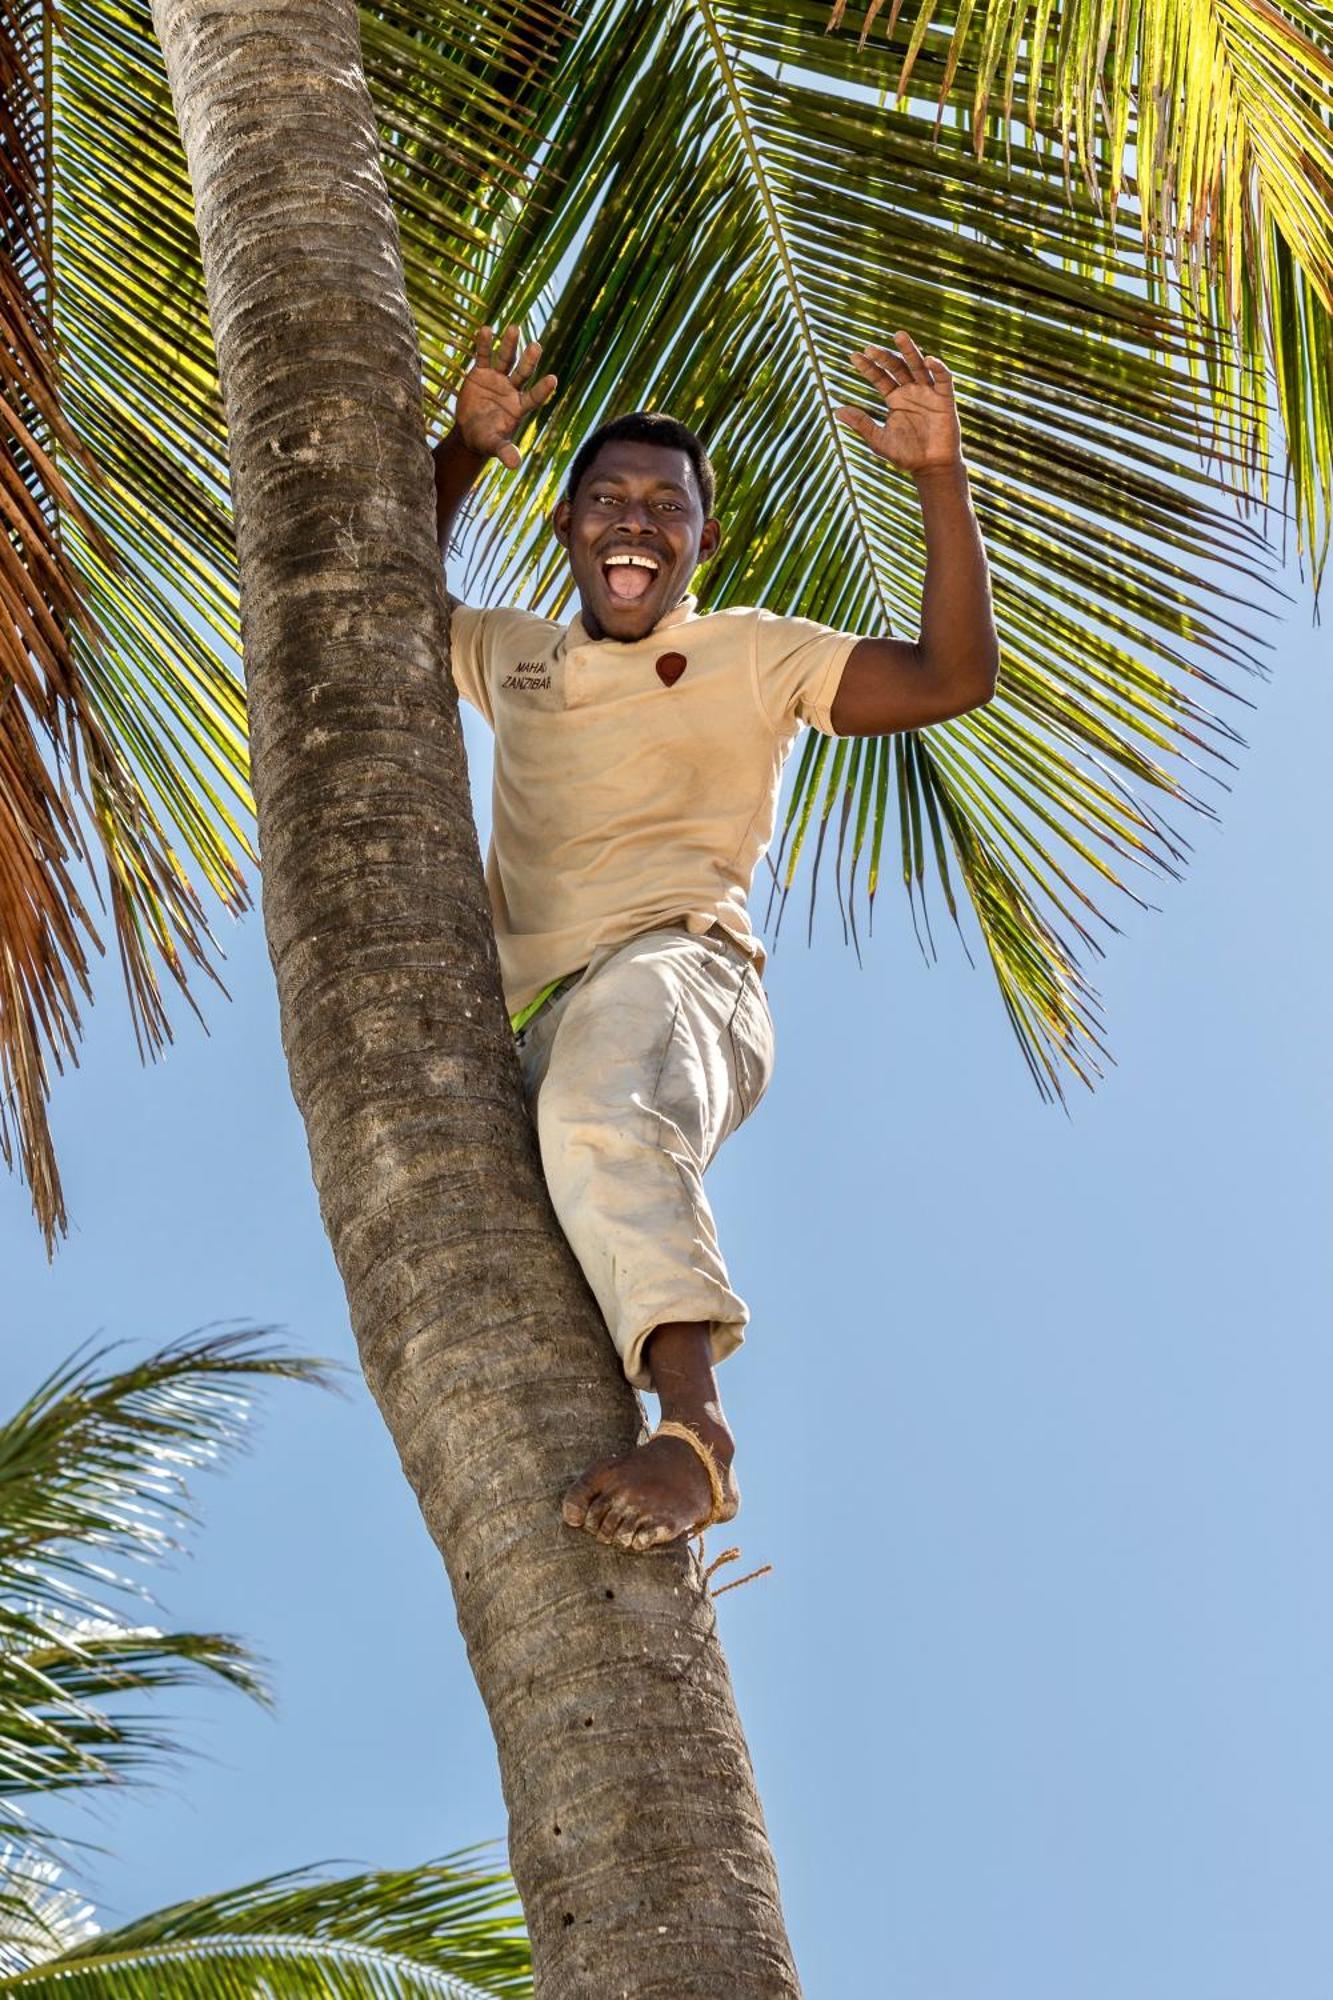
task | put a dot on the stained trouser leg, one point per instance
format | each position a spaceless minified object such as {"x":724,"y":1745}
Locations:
{"x":651,"y":1060}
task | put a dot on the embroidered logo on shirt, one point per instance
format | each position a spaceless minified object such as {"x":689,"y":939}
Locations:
{"x":671,"y":666}
{"x":528,"y":674}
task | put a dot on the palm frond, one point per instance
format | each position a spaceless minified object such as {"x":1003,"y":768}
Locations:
{"x":41,"y":1916}
{"x":94,"y":1466}
{"x":94,"y":1487}
{"x":98,"y":751}
{"x":1215,"y":117}
{"x":94,"y":1477}
{"x":123,"y":763}
{"x":725,"y":210}
{"x":59,"y":1678}
{"x":462,"y":98}
{"x":43,"y":924}
{"x":781,"y":211}
{"x":72,"y":1719}
{"x":448,"y":1931}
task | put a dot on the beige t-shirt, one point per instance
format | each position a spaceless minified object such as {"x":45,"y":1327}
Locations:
{"x":622,"y":802}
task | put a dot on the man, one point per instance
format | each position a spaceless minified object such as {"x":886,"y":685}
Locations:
{"x":637,"y":757}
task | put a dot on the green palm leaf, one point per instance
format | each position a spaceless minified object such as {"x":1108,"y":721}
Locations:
{"x":94,"y":1484}
{"x":449,"y":1931}
{"x":94,"y":1465}
{"x":94,"y":1472}
{"x":40,"y":1916}
{"x":57,"y":1679}
{"x":725,"y":210}
{"x":1226,"y":107}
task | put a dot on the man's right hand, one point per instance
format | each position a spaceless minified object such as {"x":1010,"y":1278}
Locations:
{"x":495,"y":398}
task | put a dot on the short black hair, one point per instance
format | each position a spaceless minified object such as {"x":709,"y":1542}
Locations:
{"x":647,"y":427}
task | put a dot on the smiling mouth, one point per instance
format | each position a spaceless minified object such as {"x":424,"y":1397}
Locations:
{"x":630,"y":575}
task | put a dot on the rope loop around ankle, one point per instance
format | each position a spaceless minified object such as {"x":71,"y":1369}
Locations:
{"x":670,"y":1428}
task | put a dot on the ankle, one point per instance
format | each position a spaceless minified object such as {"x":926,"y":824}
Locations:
{"x":706,"y":1419}
{"x":679,"y":1359}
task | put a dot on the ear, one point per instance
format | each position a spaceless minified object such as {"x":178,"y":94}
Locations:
{"x":560,"y":515}
{"x":710,"y":540}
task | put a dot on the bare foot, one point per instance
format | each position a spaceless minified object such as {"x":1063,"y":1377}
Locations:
{"x":655,"y":1494}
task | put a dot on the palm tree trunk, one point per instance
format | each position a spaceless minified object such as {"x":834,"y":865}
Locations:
{"x":636,"y":1835}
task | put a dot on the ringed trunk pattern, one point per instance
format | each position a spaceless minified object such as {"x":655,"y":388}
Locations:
{"x":636,"y":1835}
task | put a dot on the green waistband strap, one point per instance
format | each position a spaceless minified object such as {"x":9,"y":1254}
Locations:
{"x":520,"y":1020}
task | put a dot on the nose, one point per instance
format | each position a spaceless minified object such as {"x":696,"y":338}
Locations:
{"x":634,"y":514}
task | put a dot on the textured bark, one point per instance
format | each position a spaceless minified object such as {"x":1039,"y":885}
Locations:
{"x":636,"y":1836}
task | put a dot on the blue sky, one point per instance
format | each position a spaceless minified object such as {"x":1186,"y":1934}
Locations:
{"x":1033,"y":1427}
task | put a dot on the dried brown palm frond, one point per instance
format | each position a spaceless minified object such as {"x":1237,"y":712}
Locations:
{"x":70,"y":751}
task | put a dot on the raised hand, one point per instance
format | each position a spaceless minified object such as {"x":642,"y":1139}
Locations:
{"x":921,"y":428}
{"x":497,"y":395}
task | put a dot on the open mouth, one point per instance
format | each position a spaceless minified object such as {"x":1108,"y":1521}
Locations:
{"x":630,"y":574}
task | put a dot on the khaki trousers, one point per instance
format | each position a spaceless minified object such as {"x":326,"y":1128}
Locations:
{"x":635,"y":1071}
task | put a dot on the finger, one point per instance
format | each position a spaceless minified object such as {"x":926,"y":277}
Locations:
{"x":890,"y":363}
{"x":876,"y":362}
{"x":540,"y":392}
{"x":510,"y":455}
{"x":859,"y":421}
{"x":485,"y":343}
{"x":911,"y":354}
{"x":939,"y":370}
{"x":527,"y":361}
{"x":508,"y":348}
{"x":878,"y":370}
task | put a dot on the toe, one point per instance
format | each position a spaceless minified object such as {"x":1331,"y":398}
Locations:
{"x":614,"y":1520}
{"x":600,"y":1508}
{"x":649,"y":1534}
{"x":588,"y":1490}
{"x":579,"y":1499}
{"x":627,"y":1529}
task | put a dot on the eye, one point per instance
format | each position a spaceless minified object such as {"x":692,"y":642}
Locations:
{"x":672,"y":506}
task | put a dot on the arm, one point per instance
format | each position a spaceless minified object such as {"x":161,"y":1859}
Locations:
{"x":494,"y":402}
{"x":893,"y":684}
{"x":457,"y":470}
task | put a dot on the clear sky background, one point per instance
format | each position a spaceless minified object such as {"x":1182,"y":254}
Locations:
{"x":1033,"y":1421}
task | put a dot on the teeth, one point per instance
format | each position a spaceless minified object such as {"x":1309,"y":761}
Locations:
{"x":638,"y":562}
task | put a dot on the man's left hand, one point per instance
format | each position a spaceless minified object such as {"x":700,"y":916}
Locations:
{"x":921,"y":428}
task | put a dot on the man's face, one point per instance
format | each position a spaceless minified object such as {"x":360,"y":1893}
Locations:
{"x":636,"y":533}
